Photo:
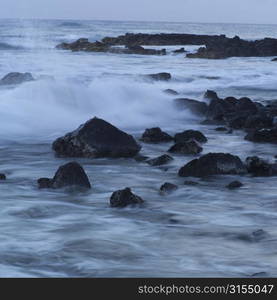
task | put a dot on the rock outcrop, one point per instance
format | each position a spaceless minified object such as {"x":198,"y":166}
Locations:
{"x":96,"y":138}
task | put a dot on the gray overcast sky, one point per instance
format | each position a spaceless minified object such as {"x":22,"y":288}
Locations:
{"x":234,"y":11}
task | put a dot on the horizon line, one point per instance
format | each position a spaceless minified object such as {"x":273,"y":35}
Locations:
{"x":134,"y":21}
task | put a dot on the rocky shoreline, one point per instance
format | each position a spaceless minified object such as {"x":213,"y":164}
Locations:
{"x":97,"y":138}
{"x":216,"y":46}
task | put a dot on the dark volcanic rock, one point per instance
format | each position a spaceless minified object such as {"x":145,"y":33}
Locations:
{"x":2,"y":176}
{"x":196,"y":107}
{"x":274,"y":59}
{"x":123,"y":198}
{"x":162,"y":39}
{"x":259,"y":167}
{"x":181,"y":50}
{"x":159,"y":161}
{"x":187,"y":147}
{"x":44,"y":183}
{"x":168,"y":187}
{"x":188,"y":135}
{"x":263,"y":136}
{"x":83,"y":44}
{"x":171,"y":92}
{"x":16,"y":78}
{"x":160,"y":76}
{"x":96,"y":138}
{"x":234,"y":185}
{"x":155,"y":135}
{"x":236,"y":47}
{"x":70,"y":174}
{"x":211,"y":95}
{"x":213,"y":164}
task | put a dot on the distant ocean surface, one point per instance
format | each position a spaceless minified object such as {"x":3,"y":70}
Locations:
{"x":203,"y":232}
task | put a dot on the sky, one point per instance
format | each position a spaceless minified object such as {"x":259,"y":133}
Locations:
{"x":205,"y":11}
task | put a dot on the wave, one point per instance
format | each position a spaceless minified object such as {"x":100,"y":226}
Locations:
{"x":49,"y":108}
{"x":5,"y":46}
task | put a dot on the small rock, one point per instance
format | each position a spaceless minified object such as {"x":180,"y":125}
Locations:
{"x":167,"y":188}
{"x":123,"y":198}
{"x":155,"y":135}
{"x":70,"y":174}
{"x":188,"y":135}
{"x":16,"y":78}
{"x":259,"y":167}
{"x":181,"y":50}
{"x":140,"y":158}
{"x":160,"y":76}
{"x":263,"y":136}
{"x":188,"y":182}
{"x":2,"y":176}
{"x":234,"y":185}
{"x":161,"y":160}
{"x":221,"y":129}
{"x":188,"y":147}
{"x":171,"y":92}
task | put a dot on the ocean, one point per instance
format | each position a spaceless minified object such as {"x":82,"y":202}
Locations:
{"x":197,"y":231}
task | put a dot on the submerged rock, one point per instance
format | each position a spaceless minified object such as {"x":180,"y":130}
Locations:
{"x":213,"y":164}
{"x":140,"y":158}
{"x":123,"y":198}
{"x":259,"y":167}
{"x":188,"y":147}
{"x":181,"y":50}
{"x":160,"y":76}
{"x":188,"y":135}
{"x":171,"y":92}
{"x":234,"y":185}
{"x":274,"y":59}
{"x":70,"y":174}
{"x":264,"y":135}
{"x":16,"y":78}
{"x":196,"y":107}
{"x":155,"y":135}
{"x":159,"y":161}
{"x":168,"y":188}
{"x":96,"y":138}
{"x":2,"y":176}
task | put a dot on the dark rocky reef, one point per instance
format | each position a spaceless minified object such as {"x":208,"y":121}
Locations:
{"x":83,"y":44}
{"x":16,"y":78}
{"x":259,"y":167}
{"x":213,"y":164}
{"x":236,"y":47}
{"x":70,"y":174}
{"x":162,"y":39}
{"x":155,"y":135}
{"x":96,"y":138}
{"x":123,"y":198}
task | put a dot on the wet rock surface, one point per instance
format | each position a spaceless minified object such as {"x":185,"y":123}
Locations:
{"x":69,"y":175}
{"x":213,"y":164}
{"x":155,"y":135}
{"x":96,"y":138}
{"x":159,"y":161}
{"x":187,"y":147}
{"x":125,"y":197}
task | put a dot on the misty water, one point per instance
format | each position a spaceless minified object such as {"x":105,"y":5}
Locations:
{"x":204,"y":230}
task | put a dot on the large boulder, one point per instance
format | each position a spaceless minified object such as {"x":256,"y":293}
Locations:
{"x":123,"y":198}
{"x":70,"y":174}
{"x":188,"y":135}
{"x":16,"y":78}
{"x":187,"y":147}
{"x":264,"y":135}
{"x":96,"y":138}
{"x":213,"y":164}
{"x":155,"y":135}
